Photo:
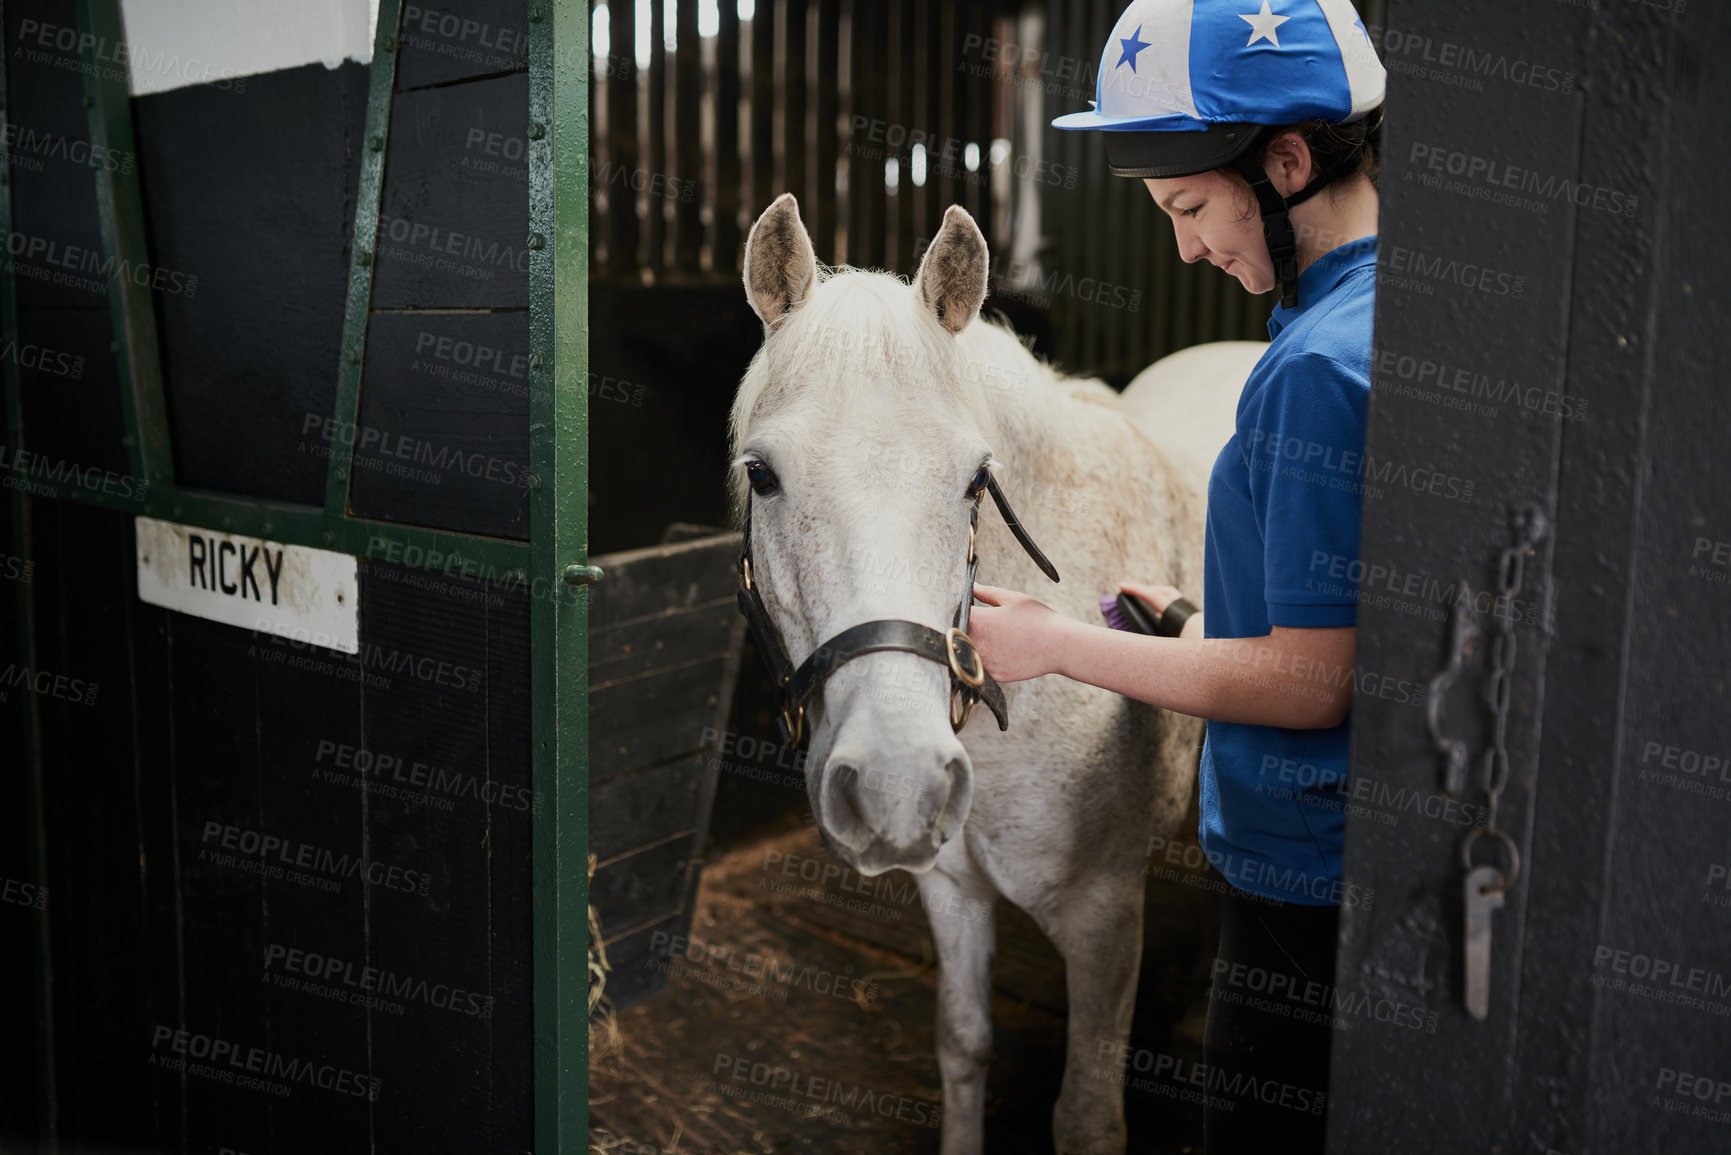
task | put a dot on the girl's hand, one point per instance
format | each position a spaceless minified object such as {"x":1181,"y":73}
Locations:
{"x":1018,"y":637}
{"x":1160,"y":597}
{"x":1157,"y":596}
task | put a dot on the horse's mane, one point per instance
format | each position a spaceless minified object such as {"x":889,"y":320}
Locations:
{"x":871,"y":323}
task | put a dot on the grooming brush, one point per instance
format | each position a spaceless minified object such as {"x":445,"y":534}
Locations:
{"x":1126,"y":611}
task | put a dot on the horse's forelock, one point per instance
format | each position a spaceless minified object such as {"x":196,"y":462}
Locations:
{"x":865,"y":321}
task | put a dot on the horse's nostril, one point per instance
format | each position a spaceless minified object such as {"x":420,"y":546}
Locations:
{"x":841,"y":813}
{"x":934,"y":796}
{"x":957,"y":799}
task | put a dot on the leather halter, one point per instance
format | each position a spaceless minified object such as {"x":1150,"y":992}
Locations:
{"x":952,"y":648}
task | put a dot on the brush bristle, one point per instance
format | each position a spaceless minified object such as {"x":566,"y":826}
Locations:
{"x":1113,"y":615}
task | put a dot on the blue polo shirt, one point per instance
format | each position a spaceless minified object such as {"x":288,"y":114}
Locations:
{"x":1283,"y":512}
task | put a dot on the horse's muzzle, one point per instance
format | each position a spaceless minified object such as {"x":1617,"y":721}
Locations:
{"x":882,"y":814}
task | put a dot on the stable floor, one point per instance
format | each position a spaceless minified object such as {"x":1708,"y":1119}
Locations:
{"x":799,"y":1015}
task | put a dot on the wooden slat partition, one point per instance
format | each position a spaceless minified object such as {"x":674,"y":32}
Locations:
{"x":793,"y":100}
{"x":829,"y":132}
{"x":622,"y":153}
{"x":655,"y":161}
{"x":874,"y":90}
{"x":898,"y":102}
{"x":687,"y":108}
{"x":948,"y":126}
{"x":858,"y":137}
{"x":976,"y":113}
{"x":932,"y":78}
{"x":763,"y":189}
{"x":727,"y":249}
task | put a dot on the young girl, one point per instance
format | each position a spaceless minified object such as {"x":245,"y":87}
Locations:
{"x":1253,"y":128}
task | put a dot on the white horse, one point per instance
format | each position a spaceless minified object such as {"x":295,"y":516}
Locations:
{"x":861,"y":429}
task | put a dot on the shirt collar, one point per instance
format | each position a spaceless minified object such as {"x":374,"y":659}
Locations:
{"x":1322,"y":277}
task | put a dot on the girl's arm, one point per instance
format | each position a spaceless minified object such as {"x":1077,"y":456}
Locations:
{"x":1300,"y":679}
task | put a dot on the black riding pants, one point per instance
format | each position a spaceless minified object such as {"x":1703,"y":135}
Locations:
{"x":1270,"y":1010}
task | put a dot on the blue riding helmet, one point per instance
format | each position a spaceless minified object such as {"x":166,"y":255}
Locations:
{"x":1186,"y":86}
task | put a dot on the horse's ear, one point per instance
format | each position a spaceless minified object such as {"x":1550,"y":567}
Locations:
{"x":780,"y":266}
{"x":952,"y":277}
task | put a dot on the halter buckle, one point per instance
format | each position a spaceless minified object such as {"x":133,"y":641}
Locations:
{"x":956,"y":642}
{"x":745,"y":571}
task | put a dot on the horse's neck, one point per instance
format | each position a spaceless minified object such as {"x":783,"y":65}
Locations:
{"x":1032,"y":409}
{"x":1053,"y":430}
{"x":1070,"y":450}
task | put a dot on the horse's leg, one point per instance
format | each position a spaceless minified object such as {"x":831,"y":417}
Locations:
{"x":1097,"y":927}
{"x":958,"y":901}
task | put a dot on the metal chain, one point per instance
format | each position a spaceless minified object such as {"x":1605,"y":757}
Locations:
{"x":1530,"y":527}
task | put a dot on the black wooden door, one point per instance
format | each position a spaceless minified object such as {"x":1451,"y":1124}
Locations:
{"x":1552,"y":305}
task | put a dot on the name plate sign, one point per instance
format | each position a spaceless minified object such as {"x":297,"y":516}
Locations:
{"x":292,"y":591}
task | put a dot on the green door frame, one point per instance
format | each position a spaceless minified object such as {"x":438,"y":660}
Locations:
{"x":559,"y":72}
{"x":553,"y":564}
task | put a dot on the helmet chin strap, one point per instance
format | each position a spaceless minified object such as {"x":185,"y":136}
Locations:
{"x":1276,"y":224}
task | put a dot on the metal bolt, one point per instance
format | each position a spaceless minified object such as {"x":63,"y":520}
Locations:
{"x":227,"y":521}
{"x":535,"y":361}
{"x":330,"y":537}
{"x":342,"y":473}
{"x":535,"y":16}
{"x":537,"y":130}
{"x":376,"y":142}
{"x":536,"y":240}
{"x":534,"y":481}
{"x":364,"y":258}
{"x":390,"y":44}
{"x":269,"y":526}
{"x":579,"y":575}
{"x":354,"y":356}
{"x":457,"y":560}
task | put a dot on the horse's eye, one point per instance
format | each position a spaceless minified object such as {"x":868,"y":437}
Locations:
{"x":978,"y":484}
{"x":761,"y":476}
